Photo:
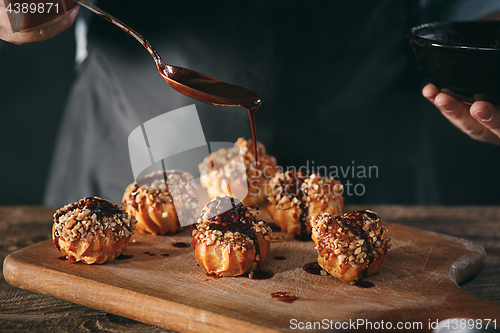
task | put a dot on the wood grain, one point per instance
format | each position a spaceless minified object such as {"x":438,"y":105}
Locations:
{"x":417,"y":283}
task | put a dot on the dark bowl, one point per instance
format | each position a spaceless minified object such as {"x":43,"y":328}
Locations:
{"x":460,"y":58}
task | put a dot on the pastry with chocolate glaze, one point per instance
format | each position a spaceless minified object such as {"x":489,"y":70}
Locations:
{"x":296,"y":196}
{"x":240,"y":176}
{"x":92,"y":230}
{"x":352,"y":246}
{"x":162,"y":199}
{"x":229,"y":240}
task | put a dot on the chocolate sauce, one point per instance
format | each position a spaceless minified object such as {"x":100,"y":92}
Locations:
{"x":180,"y":245}
{"x":251,"y":116}
{"x":294,"y":188}
{"x":354,"y":222}
{"x":312,"y":268}
{"x":284,"y":297}
{"x":56,"y":240}
{"x":279,"y":258}
{"x":103,"y":208}
{"x":211,"y":158}
{"x":302,"y":220}
{"x":124,"y":256}
{"x":364,"y":284}
{"x":210,"y":90}
{"x":235,"y":219}
{"x":215,"y":92}
{"x":99,"y":206}
{"x":62,"y":258}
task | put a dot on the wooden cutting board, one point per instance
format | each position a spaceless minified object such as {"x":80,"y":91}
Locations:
{"x":415,"y":287}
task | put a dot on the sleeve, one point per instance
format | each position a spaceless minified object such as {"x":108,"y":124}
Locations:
{"x":458,"y":10}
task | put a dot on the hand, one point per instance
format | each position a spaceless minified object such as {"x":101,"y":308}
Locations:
{"x":35,"y":27}
{"x":480,"y":121}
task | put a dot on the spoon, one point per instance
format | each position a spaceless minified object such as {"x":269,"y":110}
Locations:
{"x":186,"y":81}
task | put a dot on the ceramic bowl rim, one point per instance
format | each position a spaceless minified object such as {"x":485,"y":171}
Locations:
{"x":413,"y":34}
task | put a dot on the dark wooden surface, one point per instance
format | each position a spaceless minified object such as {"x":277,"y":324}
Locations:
{"x":22,"y":311}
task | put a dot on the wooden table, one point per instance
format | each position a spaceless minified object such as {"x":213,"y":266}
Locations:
{"x":24,"y":311}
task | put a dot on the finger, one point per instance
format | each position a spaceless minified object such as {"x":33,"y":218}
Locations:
{"x":63,"y":24}
{"x":487,"y":115}
{"x":46,"y":31}
{"x":458,"y":114}
{"x":430,"y":92}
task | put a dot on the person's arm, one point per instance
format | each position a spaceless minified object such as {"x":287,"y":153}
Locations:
{"x":28,"y":25}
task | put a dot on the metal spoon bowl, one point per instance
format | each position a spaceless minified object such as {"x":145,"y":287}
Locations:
{"x":186,"y":81}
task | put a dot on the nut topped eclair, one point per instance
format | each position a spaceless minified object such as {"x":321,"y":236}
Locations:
{"x":352,"y":246}
{"x":229,"y":240}
{"x":92,"y":230}
{"x":242,"y":177}
{"x":296,"y":196}
{"x":162,"y":200}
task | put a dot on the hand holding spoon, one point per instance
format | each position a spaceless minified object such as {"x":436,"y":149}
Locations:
{"x":186,"y":81}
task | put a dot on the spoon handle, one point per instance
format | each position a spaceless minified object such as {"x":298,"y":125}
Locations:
{"x":159,"y":63}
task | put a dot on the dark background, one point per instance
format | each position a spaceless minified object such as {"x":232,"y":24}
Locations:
{"x":34,"y":81}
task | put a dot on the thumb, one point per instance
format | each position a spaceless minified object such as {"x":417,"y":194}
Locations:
{"x":487,"y":115}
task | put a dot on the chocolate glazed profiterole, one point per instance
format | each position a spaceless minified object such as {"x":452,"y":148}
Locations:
{"x":92,"y":230}
{"x":296,"y":196}
{"x":352,"y":246}
{"x":161,"y":199}
{"x":229,"y":240}
{"x":241,"y":176}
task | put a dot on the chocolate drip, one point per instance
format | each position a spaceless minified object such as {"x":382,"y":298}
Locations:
{"x":251,"y":115}
{"x":103,"y":208}
{"x":303,"y":220}
{"x":294,"y":188}
{"x":56,"y":241}
{"x":354,"y":222}
{"x":236,"y":219}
